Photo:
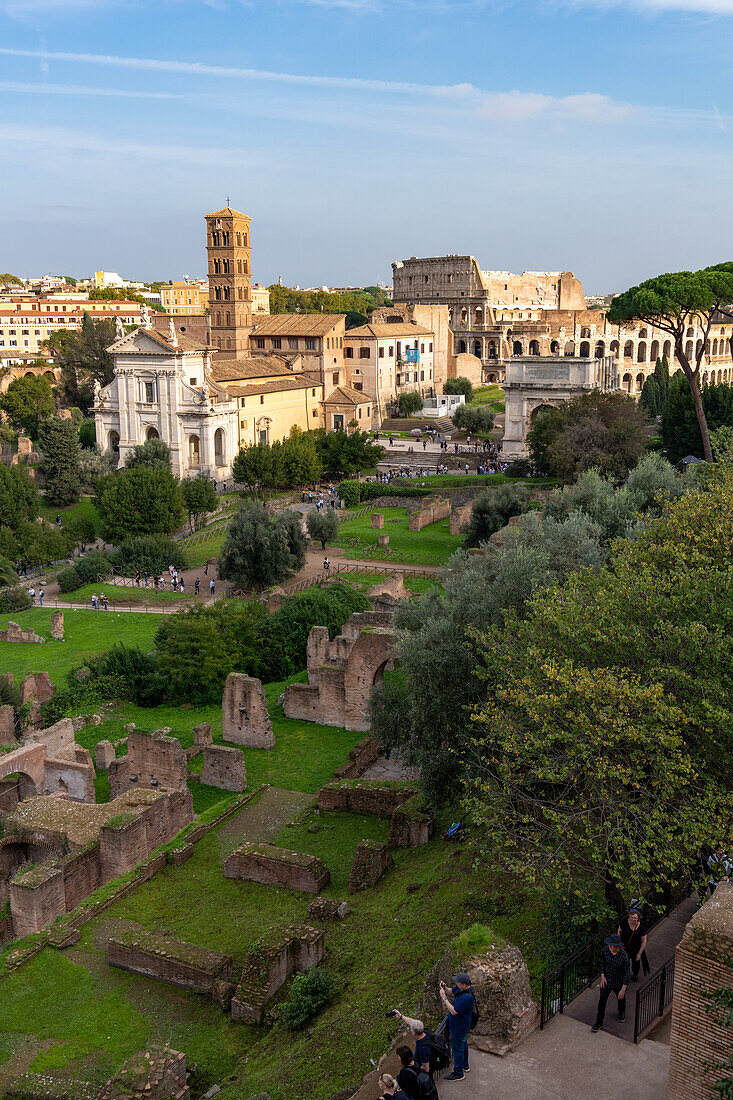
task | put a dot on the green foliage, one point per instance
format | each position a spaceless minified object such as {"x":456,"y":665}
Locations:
{"x":474,"y":418}
{"x":285,"y":300}
{"x":6,"y":279}
{"x":260,"y":550}
{"x":474,"y":941}
{"x":200,"y":498}
{"x":310,"y":993}
{"x":122,"y":294}
{"x":27,"y":402}
{"x":141,"y":501}
{"x":59,"y":444}
{"x":14,"y":599}
{"x":343,"y":455}
{"x":94,"y":566}
{"x":323,"y":525}
{"x":8,"y":576}
{"x":298,"y":460}
{"x":290,"y":522}
{"x":87,"y":433}
{"x":519,"y":467}
{"x":492,"y":510}
{"x":651,"y":398}
{"x":256,"y":465}
{"x":18,"y":496}
{"x":409,"y":403}
{"x":680,"y":429}
{"x":148,"y":553}
{"x":85,"y":359}
{"x":69,"y":580}
{"x":354,"y":493}
{"x":153,"y":454}
{"x":284,"y":634}
{"x":605,"y":431}
{"x":459,"y":385}
{"x":93,"y":466}
{"x":573,"y":915}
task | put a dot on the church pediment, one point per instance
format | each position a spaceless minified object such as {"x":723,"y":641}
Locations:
{"x":141,"y":341}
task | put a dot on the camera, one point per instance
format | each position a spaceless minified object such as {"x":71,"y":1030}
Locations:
{"x":389,"y":1014}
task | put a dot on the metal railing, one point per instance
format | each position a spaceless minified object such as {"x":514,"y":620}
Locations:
{"x":653,"y":999}
{"x":342,"y":570}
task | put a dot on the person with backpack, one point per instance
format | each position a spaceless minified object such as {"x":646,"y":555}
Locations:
{"x":414,"y":1082}
{"x":460,"y":1005}
{"x":389,"y":1089}
{"x":423,"y":1043}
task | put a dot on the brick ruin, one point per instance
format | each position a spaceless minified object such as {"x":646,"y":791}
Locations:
{"x":459,"y":516}
{"x":704,"y":964}
{"x":268,"y":968}
{"x":47,"y":761}
{"x":361,"y":757}
{"x":342,"y":673}
{"x":224,"y":768}
{"x":277,"y":867}
{"x":15,"y":633}
{"x":328,"y":909}
{"x":430,"y":511}
{"x":245,"y":718}
{"x":155,"y":1074}
{"x":184,"y":965}
{"x":153,"y":760}
{"x":372,"y":860}
{"x":365,"y":796}
{"x":81,"y":847}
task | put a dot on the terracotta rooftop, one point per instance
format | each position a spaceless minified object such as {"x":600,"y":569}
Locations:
{"x":300,"y":382}
{"x":347,"y":395}
{"x":296,"y":324}
{"x":227,"y":212}
{"x":402,"y":329}
{"x":235,"y":370}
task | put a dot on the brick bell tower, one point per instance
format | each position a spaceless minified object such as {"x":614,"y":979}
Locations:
{"x":230,"y":280}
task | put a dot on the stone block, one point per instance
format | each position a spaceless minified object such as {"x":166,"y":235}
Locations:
{"x":268,"y":968}
{"x":245,"y":719}
{"x":57,"y":625}
{"x":371,"y":862}
{"x":152,"y":760}
{"x":37,"y":688}
{"x":328,"y":909}
{"x":224,"y":767}
{"x":383,"y":540}
{"x":7,"y":725}
{"x":377,"y":519}
{"x":184,"y":965}
{"x":277,"y":867}
{"x":202,"y":734}
{"x":104,"y":754}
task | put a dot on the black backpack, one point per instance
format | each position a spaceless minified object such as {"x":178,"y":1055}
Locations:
{"x":425,"y":1089}
{"x":439,"y":1054}
{"x":475,"y":1016}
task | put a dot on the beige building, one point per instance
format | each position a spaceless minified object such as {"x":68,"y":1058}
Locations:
{"x":346,"y":407}
{"x":273,"y":395}
{"x":383,"y":361}
{"x":260,"y":299}
{"x":25,"y":322}
{"x":318,"y":337}
{"x":185,"y":299}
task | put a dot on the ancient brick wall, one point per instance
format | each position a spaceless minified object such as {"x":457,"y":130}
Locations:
{"x":270,"y":965}
{"x":158,"y":1073}
{"x":153,"y":955}
{"x":361,"y":757}
{"x":15,"y":633}
{"x":37,"y":898}
{"x":430,"y":511}
{"x":277,"y":867}
{"x":364,"y":797}
{"x":121,"y":846}
{"x":459,"y":516}
{"x":82,"y":875}
{"x":36,"y":688}
{"x":152,"y":761}
{"x":371,"y":862}
{"x":703,"y":964}
{"x":70,"y":778}
{"x":245,"y":718}
{"x":224,"y":767}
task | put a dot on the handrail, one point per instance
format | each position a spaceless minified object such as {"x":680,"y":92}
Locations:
{"x":653,"y":998}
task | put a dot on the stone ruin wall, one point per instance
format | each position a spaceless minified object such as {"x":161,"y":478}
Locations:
{"x":297,"y":949}
{"x":277,"y":867}
{"x":245,"y":718}
{"x":372,"y":860}
{"x":459,"y":516}
{"x":163,"y":959}
{"x":224,"y":767}
{"x":364,"y":797}
{"x":152,"y":761}
{"x":431,"y":511}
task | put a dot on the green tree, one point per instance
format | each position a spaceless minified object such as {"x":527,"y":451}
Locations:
{"x":141,"y":501}
{"x":256,"y":551}
{"x":661,"y":373}
{"x":651,"y":398}
{"x":474,"y":418}
{"x":27,"y":402}
{"x":290,"y":522}
{"x":84,"y":358}
{"x":605,"y":431}
{"x":409,"y":403}
{"x":323,"y":526}
{"x":298,"y":461}
{"x":257,"y":465}
{"x":59,"y":444}
{"x":674,"y":303}
{"x":343,"y":455}
{"x":492,"y":510}
{"x":8,"y":576}
{"x":459,"y":385}
{"x":200,"y":499}
{"x":88,"y":434}
{"x":680,"y":428}
{"x":18,"y":496}
{"x":10,"y":280}
{"x":153,"y":454}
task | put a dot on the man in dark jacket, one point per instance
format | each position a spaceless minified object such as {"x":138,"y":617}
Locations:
{"x":615,"y":975}
{"x":459,"y":1006}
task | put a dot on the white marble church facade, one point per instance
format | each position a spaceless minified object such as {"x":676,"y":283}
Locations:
{"x":162,"y":389}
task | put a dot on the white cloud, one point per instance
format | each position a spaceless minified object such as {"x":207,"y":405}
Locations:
{"x":81,"y":90}
{"x":693,"y":7}
{"x":509,"y":106}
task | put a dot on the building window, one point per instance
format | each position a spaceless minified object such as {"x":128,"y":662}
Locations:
{"x":315,"y":411}
{"x":364,"y":353}
{"x":348,"y":353}
{"x":391,"y":351}
{"x":313,"y":392}
{"x":293,"y":343}
{"x":430,"y":347}
{"x":335,"y":378}
{"x":381,"y":353}
{"x":422,"y":347}
{"x":260,"y":342}
{"x":262,"y":399}
{"x":276,"y":342}
{"x":149,"y":391}
{"x":310,"y":343}
{"x":359,"y":386}
{"x":192,"y":381}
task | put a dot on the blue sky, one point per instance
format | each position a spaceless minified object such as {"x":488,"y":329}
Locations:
{"x":584,"y":135}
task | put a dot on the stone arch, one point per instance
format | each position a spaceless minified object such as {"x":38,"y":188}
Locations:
{"x":570,"y":348}
{"x":541,"y":409}
{"x":629,"y":349}
{"x":534,"y":347}
{"x":705,"y":378}
{"x":585,"y":350}
{"x":461,"y":347}
{"x":492,"y":349}
{"x":715,"y":347}
{"x":219,"y":447}
{"x":641,"y":352}
{"x":654,"y":351}
{"x":113,"y":442}
{"x":151,"y":433}
{"x":600,"y":350}
{"x":667,"y":349}
{"x":517,"y":347}
{"x":386,"y":666}
{"x":614,"y":348}
{"x":626,"y":382}
{"x":698,"y":347}
{"x":639,"y":382}
{"x":27,"y":784}
{"x":194,"y":451}
{"x":554,"y":348}
{"x":584,"y":333}
{"x":477,"y":351}
{"x":643,"y":334}
{"x":720,"y":377}
{"x":688,"y":349}
{"x":479,"y":315}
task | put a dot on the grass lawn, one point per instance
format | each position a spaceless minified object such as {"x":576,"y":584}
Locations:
{"x":489,"y":395}
{"x":198,"y":553}
{"x":120,"y":593}
{"x":85,"y":507}
{"x":431,"y":546}
{"x":85,"y":633}
{"x":415,"y":585}
{"x":461,"y":481}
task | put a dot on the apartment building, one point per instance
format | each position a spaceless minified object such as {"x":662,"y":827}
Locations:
{"x":383,"y":361}
{"x":26,"y":322}
{"x":318,"y":337}
{"x":185,"y":299}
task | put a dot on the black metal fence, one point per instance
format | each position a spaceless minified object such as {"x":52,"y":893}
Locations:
{"x":578,"y":971}
{"x":653,"y":998}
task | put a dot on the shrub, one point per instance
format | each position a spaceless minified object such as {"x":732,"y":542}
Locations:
{"x":87,"y":433}
{"x":153,"y":454}
{"x":492,"y":510}
{"x":354,"y":493}
{"x":459,"y":385}
{"x":135,"y":672}
{"x":142,"y":501}
{"x":519,"y":467}
{"x":323,"y":526}
{"x":309,"y":994}
{"x":69,"y":579}
{"x":94,"y":566}
{"x":148,"y":553}
{"x":285,"y":633}
{"x":260,"y":551}
{"x":474,"y":940}
{"x":14,"y":599}
{"x":474,"y":418}
{"x":409,"y":403}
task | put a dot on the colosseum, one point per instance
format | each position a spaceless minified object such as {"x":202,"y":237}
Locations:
{"x":495,"y":315}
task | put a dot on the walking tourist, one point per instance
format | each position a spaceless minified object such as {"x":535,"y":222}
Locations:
{"x":633,"y":936}
{"x":460,"y":1006}
{"x":103,"y":598}
{"x":212,"y":586}
{"x":95,"y":601}
{"x":196,"y":586}
{"x":40,"y":596}
{"x":32,"y":594}
{"x":615,"y":974}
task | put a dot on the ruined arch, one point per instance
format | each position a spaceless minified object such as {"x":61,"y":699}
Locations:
{"x":585,"y":350}
{"x":639,"y":382}
{"x":517,"y":347}
{"x":627,"y":382}
{"x":570,"y":348}
{"x":654,"y":351}
{"x":641,"y":352}
{"x":629,"y":349}
{"x":534,"y":347}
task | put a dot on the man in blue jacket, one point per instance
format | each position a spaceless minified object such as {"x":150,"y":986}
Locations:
{"x":459,"y":1005}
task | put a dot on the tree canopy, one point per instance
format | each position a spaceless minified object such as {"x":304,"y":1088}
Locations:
{"x":60,"y":451}
{"x":153,"y":453}
{"x":84,"y":358}
{"x":261,"y":550}
{"x":673,"y":303}
{"x":141,"y":501}
{"x":27,"y":402}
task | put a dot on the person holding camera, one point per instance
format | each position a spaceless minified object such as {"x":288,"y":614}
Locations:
{"x":422,"y":1039}
{"x":459,"y":1005}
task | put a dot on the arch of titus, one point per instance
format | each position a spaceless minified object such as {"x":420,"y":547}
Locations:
{"x":535,"y":382}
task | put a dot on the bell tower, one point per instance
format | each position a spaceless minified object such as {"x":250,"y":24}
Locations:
{"x":230,"y":280}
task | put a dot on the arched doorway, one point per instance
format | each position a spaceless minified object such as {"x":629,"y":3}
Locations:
{"x":194,"y":451}
{"x":534,"y":347}
{"x":477,"y":349}
{"x":113,"y":442}
{"x":539,"y":412}
{"x":517,"y":347}
{"x":626,"y":383}
{"x":219,"y":447}
{"x":461,"y":347}
{"x":152,"y":433}
{"x":386,"y":666}
{"x":570,"y":348}
{"x":585,"y":350}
